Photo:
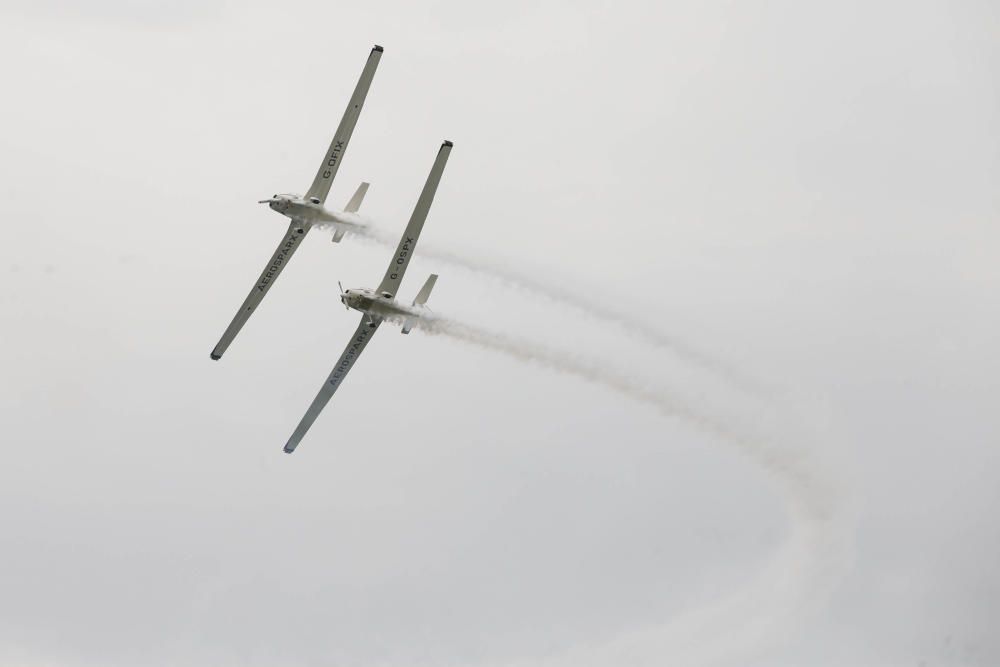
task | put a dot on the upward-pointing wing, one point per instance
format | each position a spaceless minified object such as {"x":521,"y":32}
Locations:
{"x":289,"y":244}
{"x":397,"y":267}
{"x":351,"y":353}
{"x":320,"y":187}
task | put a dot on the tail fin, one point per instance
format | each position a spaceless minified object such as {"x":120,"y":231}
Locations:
{"x":359,"y":196}
{"x":352,"y":207}
{"x":425,"y":291}
{"x":421,"y":299}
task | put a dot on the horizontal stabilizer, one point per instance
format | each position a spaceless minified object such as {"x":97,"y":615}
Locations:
{"x":359,"y":196}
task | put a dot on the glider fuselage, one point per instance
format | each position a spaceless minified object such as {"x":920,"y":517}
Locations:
{"x":382,"y":306}
{"x":310,"y":213}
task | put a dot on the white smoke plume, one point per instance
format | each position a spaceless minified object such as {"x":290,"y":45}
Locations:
{"x":811,"y":559}
{"x":596,"y":309}
{"x":800,"y":574}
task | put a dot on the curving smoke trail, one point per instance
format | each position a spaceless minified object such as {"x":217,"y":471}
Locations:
{"x":801,"y":572}
{"x":804,"y":569}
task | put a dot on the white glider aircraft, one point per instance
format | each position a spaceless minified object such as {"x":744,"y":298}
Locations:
{"x":380,"y":304}
{"x":309,"y":210}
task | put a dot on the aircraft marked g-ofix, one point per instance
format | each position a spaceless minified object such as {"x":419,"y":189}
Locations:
{"x":332,"y":162}
{"x":379,"y":305}
{"x":309,"y":210}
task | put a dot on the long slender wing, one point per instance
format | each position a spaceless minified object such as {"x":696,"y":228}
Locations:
{"x":320,"y":187}
{"x":351,"y":353}
{"x":407,"y":244}
{"x":289,"y":244}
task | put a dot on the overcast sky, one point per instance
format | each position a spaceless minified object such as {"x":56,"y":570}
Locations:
{"x":801,"y":196}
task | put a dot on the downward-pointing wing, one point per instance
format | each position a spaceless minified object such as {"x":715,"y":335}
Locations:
{"x":344,"y":365}
{"x":401,"y":260}
{"x":320,"y":187}
{"x":289,"y":244}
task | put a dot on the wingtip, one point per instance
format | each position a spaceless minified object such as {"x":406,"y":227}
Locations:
{"x":215,"y":356}
{"x":377,"y":48}
{"x":288,"y":450}
{"x":447,"y":143}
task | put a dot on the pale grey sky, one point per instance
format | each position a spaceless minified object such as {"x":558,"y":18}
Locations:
{"x":806,"y":192}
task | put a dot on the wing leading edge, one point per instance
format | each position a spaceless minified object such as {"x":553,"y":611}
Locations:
{"x":351,"y":353}
{"x":290,"y":242}
{"x":320,"y":187}
{"x":408,"y":242}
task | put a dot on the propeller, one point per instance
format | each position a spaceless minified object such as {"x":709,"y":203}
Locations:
{"x":342,"y":295}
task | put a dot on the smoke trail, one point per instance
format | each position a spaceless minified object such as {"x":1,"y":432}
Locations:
{"x":595,"y":309}
{"x":802,"y":569}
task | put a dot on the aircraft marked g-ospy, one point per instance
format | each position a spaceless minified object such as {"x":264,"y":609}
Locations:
{"x":309,"y":210}
{"x":379,"y":305}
